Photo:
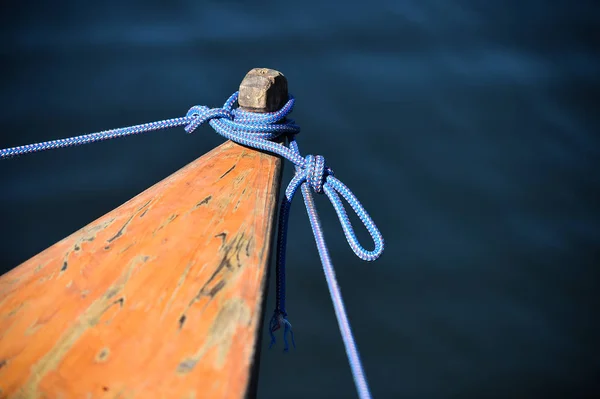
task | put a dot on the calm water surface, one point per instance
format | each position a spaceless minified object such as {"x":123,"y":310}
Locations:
{"x":468,"y":129}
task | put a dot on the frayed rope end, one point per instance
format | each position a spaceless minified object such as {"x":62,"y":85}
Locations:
{"x":277,"y":321}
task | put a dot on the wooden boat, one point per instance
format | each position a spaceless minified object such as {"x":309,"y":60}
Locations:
{"x":161,"y":298}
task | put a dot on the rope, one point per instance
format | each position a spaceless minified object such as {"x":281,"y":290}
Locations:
{"x":257,"y":130}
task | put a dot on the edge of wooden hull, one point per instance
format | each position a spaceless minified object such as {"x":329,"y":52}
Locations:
{"x":161,"y":297}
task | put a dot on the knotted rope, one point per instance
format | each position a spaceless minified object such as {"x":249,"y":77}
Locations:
{"x":257,"y":130}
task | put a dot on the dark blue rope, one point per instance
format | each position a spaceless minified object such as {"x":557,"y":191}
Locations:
{"x":256,"y":130}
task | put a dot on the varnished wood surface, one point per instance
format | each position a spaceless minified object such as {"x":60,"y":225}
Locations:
{"x":160,"y":298}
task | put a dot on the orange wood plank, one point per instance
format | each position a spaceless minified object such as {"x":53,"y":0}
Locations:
{"x":160,"y":298}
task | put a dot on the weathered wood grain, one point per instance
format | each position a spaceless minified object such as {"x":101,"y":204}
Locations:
{"x":160,"y":298}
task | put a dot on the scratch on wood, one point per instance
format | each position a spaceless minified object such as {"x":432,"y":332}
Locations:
{"x":228,"y":171}
{"x":239,"y":245}
{"x":240,"y":178}
{"x":120,"y":301}
{"x":145,"y":210}
{"x":250,"y":241}
{"x":203,"y":202}
{"x":233,"y":314}
{"x":121,"y":230}
{"x":144,"y":206}
{"x":223,"y":236}
{"x":89,"y":233}
{"x":165,"y":223}
{"x":86,"y":234}
{"x":15,"y":310}
{"x":124,"y":227}
{"x":240,"y":199}
{"x":214,"y":290}
{"x":223,"y":273}
{"x":126,"y":248}
{"x":229,"y":251}
{"x":237,"y":204}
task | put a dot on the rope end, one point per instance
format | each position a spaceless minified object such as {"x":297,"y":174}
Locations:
{"x":277,"y":321}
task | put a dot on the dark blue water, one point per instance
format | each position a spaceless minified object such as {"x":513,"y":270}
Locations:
{"x":468,"y":129}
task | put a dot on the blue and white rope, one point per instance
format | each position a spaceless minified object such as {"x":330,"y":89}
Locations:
{"x":257,"y":130}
